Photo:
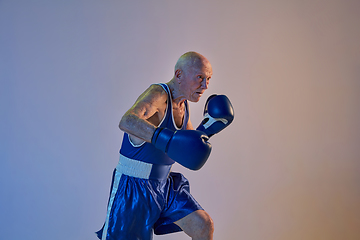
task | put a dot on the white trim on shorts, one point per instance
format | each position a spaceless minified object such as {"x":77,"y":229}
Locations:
{"x":132,"y":168}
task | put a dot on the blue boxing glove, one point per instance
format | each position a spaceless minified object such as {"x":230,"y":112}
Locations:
{"x":218,"y":114}
{"x":186,"y":147}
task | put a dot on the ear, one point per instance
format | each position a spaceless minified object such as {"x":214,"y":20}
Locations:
{"x":178,"y":74}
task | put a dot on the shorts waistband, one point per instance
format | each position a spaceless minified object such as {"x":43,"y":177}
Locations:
{"x":135,"y":168}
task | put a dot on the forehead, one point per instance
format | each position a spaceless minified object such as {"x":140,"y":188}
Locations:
{"x":205,"y":68}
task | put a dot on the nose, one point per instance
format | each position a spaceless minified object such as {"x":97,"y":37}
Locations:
{"x":205,"y":83}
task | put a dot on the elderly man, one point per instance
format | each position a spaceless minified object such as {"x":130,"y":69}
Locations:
{"x":146,"y":196}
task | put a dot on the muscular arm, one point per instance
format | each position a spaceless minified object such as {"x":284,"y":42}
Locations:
{"x":141,"y":119}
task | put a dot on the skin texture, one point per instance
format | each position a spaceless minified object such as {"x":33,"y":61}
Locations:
{"x":191,"y":78}
{"x":198,"y":225}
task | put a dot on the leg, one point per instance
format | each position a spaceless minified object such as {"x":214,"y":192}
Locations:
{"x":198,"y":225}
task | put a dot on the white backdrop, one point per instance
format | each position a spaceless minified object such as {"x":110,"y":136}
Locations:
{"x":287,"y":168}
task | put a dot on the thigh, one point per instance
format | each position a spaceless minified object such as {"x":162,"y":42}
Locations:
{"x":180,"y":203}
{"x":133,"y":210}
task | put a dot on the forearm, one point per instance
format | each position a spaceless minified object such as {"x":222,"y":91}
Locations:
{"x":137,"y":127}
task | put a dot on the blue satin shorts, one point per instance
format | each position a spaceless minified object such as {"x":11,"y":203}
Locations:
{"x":146,"y":199}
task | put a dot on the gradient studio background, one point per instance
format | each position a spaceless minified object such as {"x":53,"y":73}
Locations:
{"x":287,"y":168}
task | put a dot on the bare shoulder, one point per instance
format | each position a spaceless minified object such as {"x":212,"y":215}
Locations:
{"x":150,"y":102}
{"x":153,"y":93}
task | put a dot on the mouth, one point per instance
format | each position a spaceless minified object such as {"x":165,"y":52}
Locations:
{"x":200,"y":93}
{"x":196,"y":96}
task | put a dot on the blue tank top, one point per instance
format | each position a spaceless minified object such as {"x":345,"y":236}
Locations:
{"x":146,"y":152}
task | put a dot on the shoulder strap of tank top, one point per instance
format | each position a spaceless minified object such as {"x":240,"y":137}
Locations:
{"x":169,"y":105}
{"x":165,"y":87}
{"x":169,"y":110}
{"x":167,"y":90}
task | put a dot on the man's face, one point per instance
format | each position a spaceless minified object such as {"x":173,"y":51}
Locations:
{"x":196,"y":81}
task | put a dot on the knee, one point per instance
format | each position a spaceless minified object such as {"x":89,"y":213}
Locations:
{"x":198,"y":225}
{"x":207,"y":223}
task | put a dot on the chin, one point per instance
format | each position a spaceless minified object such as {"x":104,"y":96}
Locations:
{"x":195,"y":100}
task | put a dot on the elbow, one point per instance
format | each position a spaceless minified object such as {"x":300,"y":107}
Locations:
{"x":126,"y":122}
{"x":122,"y":123}
{"x":120,"y":126}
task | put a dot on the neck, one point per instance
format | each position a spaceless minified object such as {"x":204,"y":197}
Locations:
{"x":177,"y":97}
